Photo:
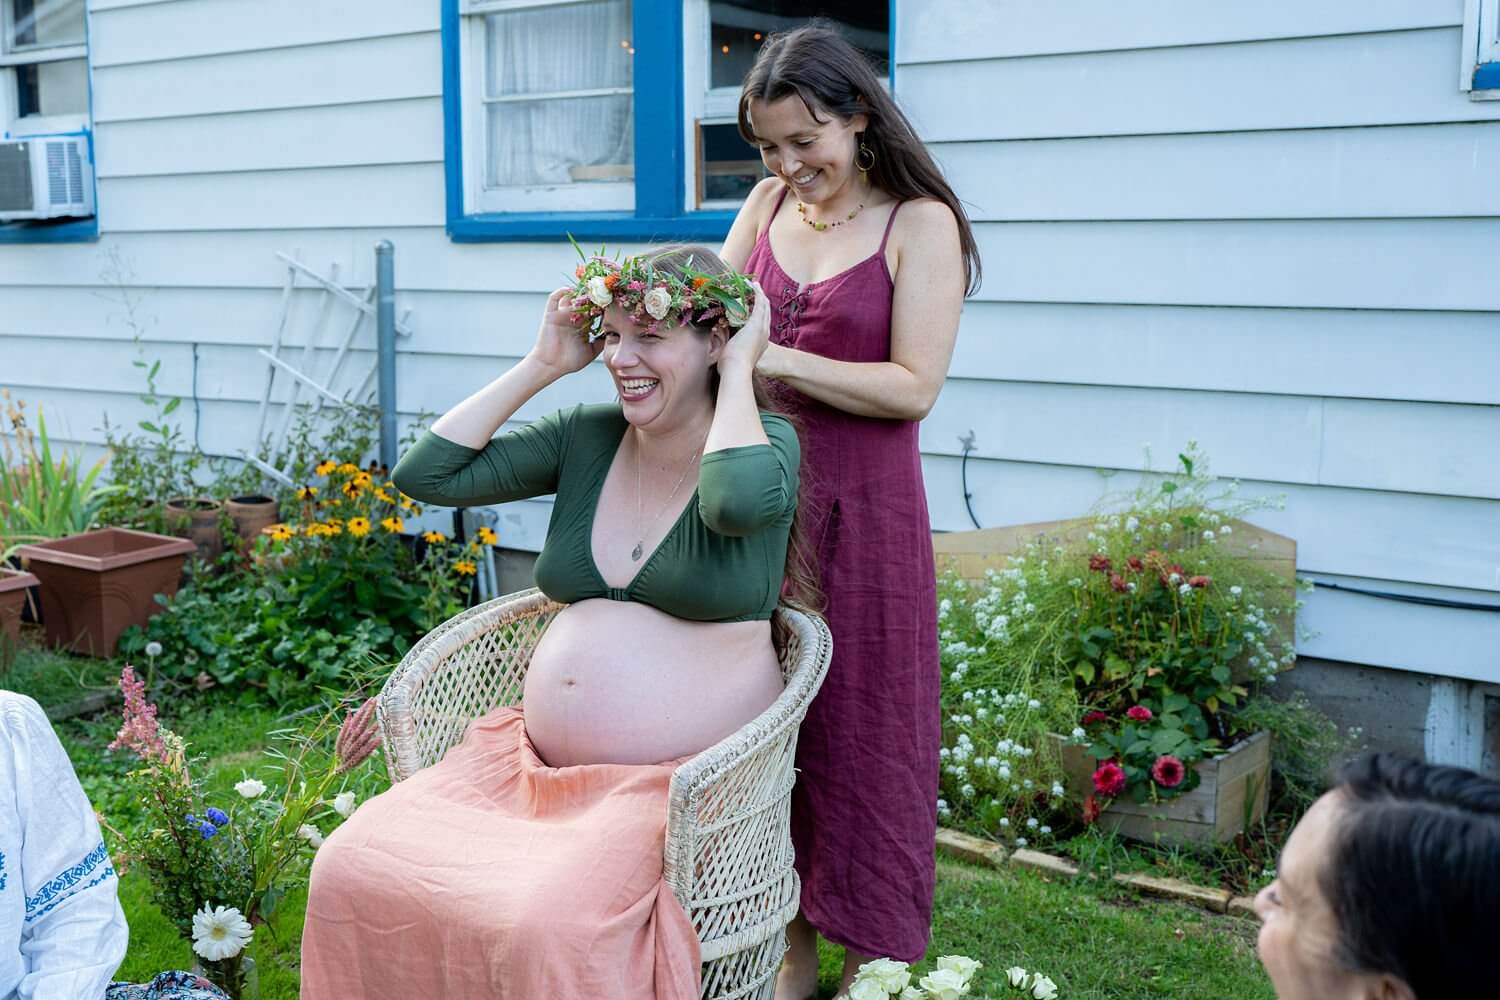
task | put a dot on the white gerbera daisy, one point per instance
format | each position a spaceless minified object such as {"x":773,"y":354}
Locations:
{"x":220,"y":932}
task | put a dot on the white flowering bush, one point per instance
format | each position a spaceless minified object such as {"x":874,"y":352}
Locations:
{"x":1138,"y":636}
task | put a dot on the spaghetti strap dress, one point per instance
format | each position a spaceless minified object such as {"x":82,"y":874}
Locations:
{"x":864,"y":809}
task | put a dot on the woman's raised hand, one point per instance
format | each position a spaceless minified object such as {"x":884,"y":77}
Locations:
{"x":743,"y":350}
{"x":562,"y":345}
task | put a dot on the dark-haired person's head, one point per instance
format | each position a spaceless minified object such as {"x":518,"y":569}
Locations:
{"x":1389,"y":887}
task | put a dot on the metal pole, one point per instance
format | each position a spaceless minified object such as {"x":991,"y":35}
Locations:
{"x":385,"y":327}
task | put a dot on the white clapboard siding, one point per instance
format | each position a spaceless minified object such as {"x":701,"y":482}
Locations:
{"x":944,"y":30}
{"x":1411,"y":170}
{"x":216,"y":27}
{"x":410,"y":194}
{"x":1449,"y":357}
{"x":475,"y":324}
{"x":1420,"y":448}
{"x":1377,"y":79}
{"x":378,"y":69}
{"x":1341,"y":263}
{"x":1416,"y":537}
{"x":426,"y":260}
{"x":403,"y":131}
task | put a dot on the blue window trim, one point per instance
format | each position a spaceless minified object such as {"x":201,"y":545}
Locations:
{"x":1487,"y":76}
{"x":659,"y":193}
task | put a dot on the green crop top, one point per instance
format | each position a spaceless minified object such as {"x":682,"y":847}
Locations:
{"x":722,"y":561}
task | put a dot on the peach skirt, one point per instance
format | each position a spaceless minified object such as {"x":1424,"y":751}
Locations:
{"x":491,"y":874}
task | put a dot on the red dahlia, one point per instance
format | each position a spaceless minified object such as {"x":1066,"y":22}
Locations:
{"x":1140,"y":713}
{"x":1109,"y":779}
{"x":1135,"y":564}
{"x":1091,"y":809}
{"x":1168,"y":771}
{"x":1200,"y":581}
{"x":1117,"y":583}
{"x":1099,"y":564}
{"x":1093,"y":717}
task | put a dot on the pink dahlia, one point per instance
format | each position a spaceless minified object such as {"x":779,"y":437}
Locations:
{"x":1117,"y":583}
{"x":1168,"y":771}
{"x":1199,"y":581}
{"x":1099,"y":564}
{"x":1140,"y":713}
{"x":1109,"y":779}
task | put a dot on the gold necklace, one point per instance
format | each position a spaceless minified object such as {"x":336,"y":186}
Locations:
{"x":640,"y":544}
{"x":821,"y":226}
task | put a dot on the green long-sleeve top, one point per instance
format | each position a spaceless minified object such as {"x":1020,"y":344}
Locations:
{"x":723,"y":559}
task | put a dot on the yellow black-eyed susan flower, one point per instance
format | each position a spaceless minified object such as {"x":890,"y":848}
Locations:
{"x":359,"y":526}
{"x":281,"y":532}
{"x":306,"y":492}
{"x":348,"y":468}
{"x":434,"y":537}
{"x":319,"y":530}
{"x":392,"y":524}
{"x":325,"y":467}
{"x":335,"y":526}
{"x":351,"y":489}
{"x":487,"y":536}
{"x":363,"y":478}
{"x":383,"y":495}
{"x":465,"y":568}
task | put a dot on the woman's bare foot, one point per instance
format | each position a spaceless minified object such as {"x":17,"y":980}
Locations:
{"x":798,"y":978}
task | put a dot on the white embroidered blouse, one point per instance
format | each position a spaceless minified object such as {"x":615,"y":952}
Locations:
{"x":62,"y":932}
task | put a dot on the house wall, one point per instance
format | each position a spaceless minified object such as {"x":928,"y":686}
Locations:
{"x":1273,"y":230}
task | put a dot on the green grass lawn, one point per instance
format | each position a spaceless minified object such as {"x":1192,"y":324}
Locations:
{"x":1094,"y":940}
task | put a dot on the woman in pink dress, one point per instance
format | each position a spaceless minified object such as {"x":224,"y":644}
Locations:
{"x":866,"y":266}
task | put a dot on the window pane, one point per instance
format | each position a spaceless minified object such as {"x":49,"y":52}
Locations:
{"x":52,"y":88}
{"x":43,"y":23}
{"x":738,"y":28}
{"x":728,"y":166}
{"x":549,"y":50}
{"x":561,"y":141}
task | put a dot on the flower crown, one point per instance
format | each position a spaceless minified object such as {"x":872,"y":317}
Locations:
{"x":653,"y":296}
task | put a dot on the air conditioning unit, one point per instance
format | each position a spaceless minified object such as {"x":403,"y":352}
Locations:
{"x":46,"y":178}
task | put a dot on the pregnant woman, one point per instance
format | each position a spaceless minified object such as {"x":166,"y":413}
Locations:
{"x":528,"y":862}
{"x":865,"y":254}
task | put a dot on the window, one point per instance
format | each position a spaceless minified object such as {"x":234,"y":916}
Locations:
{"x":609,"y":119}
{"x":1479,"y":71}
{"x":44,"y":92}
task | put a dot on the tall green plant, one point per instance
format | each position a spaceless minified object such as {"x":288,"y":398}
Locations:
{"x":42,"y":496}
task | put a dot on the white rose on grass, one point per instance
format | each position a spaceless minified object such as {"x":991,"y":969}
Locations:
{"x":944,"y":984}
{"x":889,"y":975}
{"x":867,"y":989}
{"x":961,"y":964}
{"x":1016,"y":975}
{"x":343,"y":804}
{"x":599,"y":293}
{"x":1043,"y":988}
{"x":250,"y":788}
{"x":311,"y":834}
{"x":220,"y":932}
{"x":658,"y":302}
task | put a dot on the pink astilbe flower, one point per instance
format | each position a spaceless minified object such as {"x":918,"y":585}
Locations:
{"x":140,"y":732}
{"x":358,"y":738}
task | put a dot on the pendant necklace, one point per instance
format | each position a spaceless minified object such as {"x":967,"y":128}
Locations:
{"x":640,"y":545}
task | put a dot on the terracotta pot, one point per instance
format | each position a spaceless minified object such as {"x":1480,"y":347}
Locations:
{"x":96,"y":584}
{"x":13,"y":585}
{"x":252,"y":513}
{"x":197,"y":518}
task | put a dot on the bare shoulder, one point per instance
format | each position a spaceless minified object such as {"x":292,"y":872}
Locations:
{"x":925,"y":222}
{"x":762,"y":198}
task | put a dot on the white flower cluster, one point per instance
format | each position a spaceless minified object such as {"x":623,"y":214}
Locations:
{"x":884,"y":978}
{"x":1038,"y":986}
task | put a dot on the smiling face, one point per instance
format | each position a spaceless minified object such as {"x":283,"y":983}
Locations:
{"x":663,"y":378}
{"x":815,"y":158}
{"x":1299,"y":931}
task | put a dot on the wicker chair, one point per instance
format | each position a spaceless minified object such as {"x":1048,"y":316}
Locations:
{"x":728,"y":847}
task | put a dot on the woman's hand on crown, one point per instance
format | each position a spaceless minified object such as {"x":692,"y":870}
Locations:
{"x":562,"y":343}
{"x":743,"y":350}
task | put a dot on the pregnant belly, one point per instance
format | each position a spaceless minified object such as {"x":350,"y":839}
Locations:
{"x":623,"y":683}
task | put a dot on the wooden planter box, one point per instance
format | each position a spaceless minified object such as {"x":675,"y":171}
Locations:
{"x":96,"y":584}
{"x":1232,"y":795}
{"x":13,"y":585}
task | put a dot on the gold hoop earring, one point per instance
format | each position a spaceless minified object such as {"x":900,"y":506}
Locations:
{"x":864,"y":161}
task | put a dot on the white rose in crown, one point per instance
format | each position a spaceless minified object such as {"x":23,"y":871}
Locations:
{"x":961,"y":964}
{"x":944,"y":984}
{"x":599,"y":294}
{"x":890,"y":976}
{"x":658,"y":302}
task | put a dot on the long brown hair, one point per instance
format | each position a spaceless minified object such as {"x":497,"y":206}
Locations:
{"x":801,"y":586}
{"x":818,"y":65}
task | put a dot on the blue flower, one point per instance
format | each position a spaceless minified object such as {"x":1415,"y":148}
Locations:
{"x":208,"y":830}
{"x":217,"y":817}
{"x":192,"y":820}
